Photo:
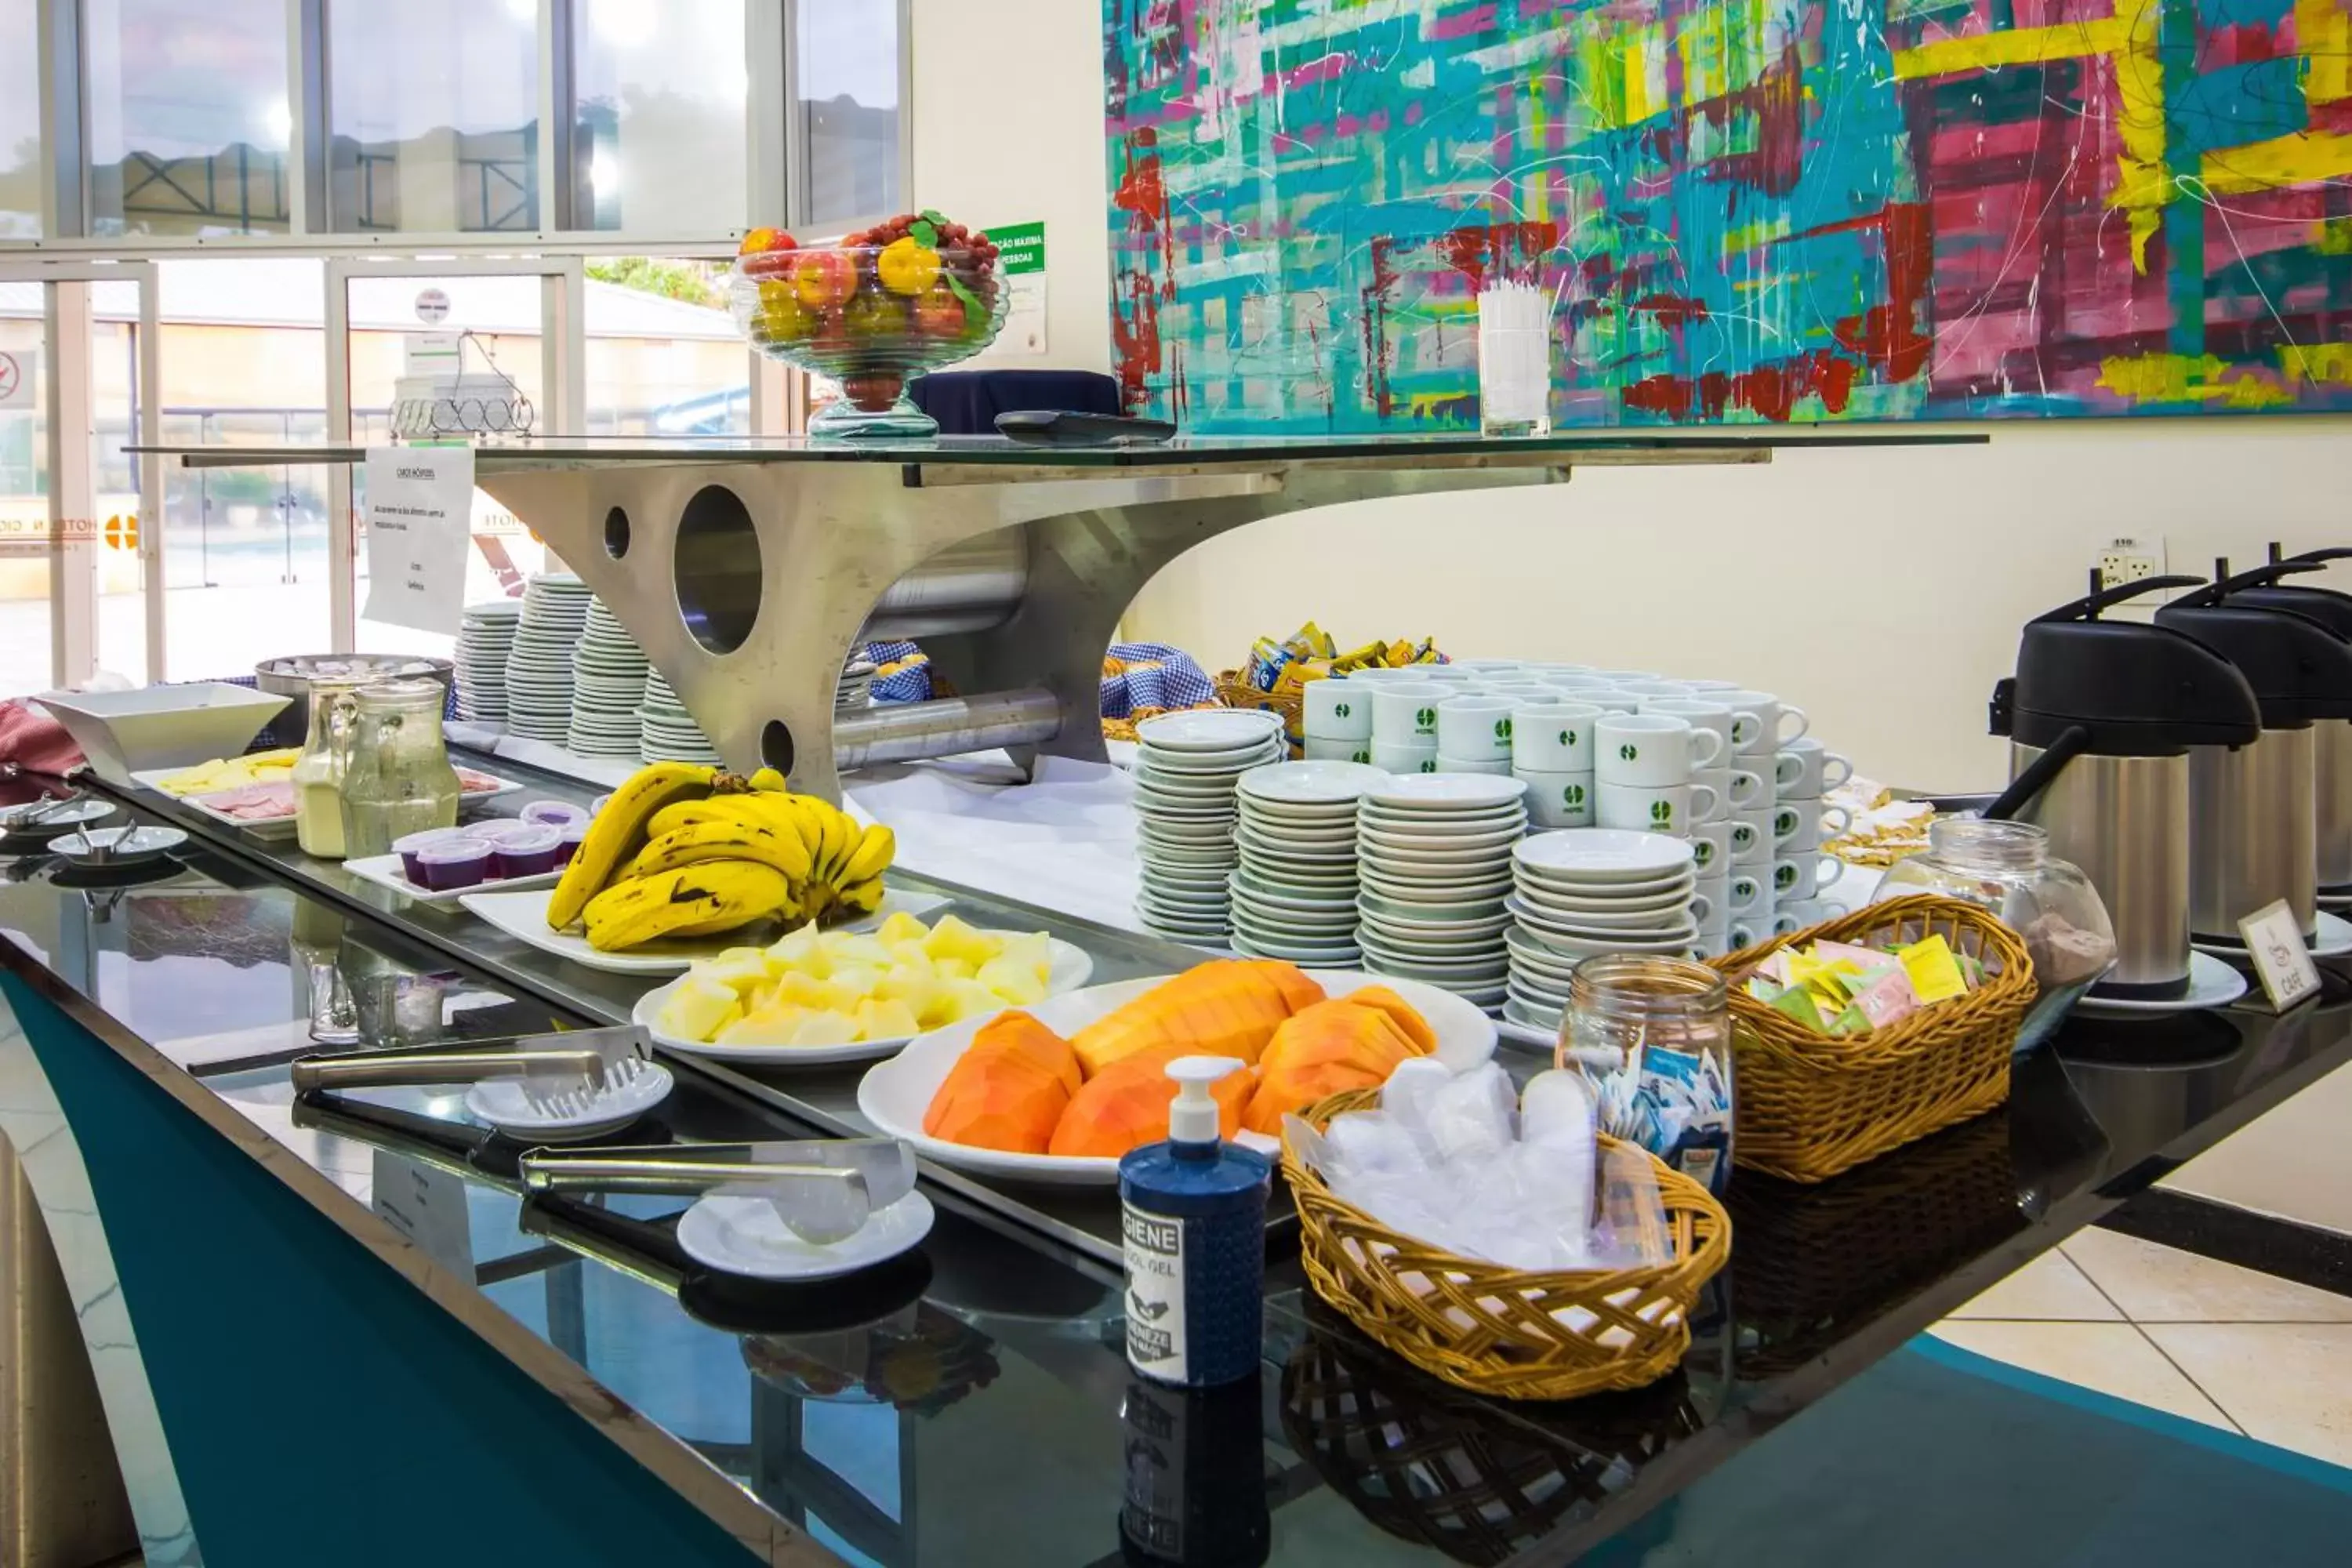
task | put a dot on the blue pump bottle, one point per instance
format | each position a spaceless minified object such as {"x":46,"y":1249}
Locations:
{"x":1193,"y":1228}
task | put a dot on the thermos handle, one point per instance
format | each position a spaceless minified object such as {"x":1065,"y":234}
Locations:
{"x":2068,"y":745}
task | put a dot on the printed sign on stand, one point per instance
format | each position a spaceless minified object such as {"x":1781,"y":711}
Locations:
{"x":420,"y":510}
{"x":2281,"y":958}
{"x":1021,"y":254}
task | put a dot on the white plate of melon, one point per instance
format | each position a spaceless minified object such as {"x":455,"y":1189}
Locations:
{"x":896,"y":1095}
{"x":817,"y":998}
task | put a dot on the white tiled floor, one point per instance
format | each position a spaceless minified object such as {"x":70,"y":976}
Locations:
{"x":2176,"y":1333}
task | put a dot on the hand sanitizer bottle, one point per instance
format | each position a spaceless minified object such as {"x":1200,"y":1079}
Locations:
{"x":1193,"y":1225}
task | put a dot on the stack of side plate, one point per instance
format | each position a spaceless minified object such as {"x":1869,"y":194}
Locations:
{"x":1186,"y":765}
{"x":857,"y":686}
{"x":1294,"y":893}
{"x":485,"y":642}
{"x":608,"y":678}
{"x":538,"y":669}
{"x":1581,"y":892}
{"x":1434,"y":853}
{"x":667,"y":733}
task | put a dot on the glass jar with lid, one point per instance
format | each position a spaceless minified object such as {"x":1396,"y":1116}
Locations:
{"x":1678,"y":1014}
{"x":399,"y":780}
{"x":2007,"y":868}
{"x":318,"y":772}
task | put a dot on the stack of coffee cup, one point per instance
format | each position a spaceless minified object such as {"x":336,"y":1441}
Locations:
{"x":1729,"y":898}
{"x":1404,"y":724}
{"x":1760,"y":725}
{"x":1551,"y":754}
{"x":1643,"y":765}
{"x":1803,"y":772}
{"x":1474,"y":734}
{"x":1337,"y":719}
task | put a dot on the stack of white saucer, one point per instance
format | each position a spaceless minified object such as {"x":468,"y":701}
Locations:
{"x":1294,"y":894}
{"x":1580,"y":892}
{"x":855,"y":687}
{"x":539,"y":670}
{"x":667,"y":733}
{"x":608,"y":684}
{"x":1186,"y":765}
{"x":485,"y":642}
{"x":1434,"y":854}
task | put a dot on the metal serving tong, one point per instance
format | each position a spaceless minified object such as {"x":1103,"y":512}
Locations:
{"x":561,"y":1074}
{"x":824,"y":1190}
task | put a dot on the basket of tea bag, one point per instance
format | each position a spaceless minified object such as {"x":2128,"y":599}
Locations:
{"x":1508,"y":1333}
{"x":1811,"y":1105}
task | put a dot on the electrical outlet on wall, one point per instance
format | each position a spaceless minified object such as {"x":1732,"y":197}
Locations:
{"x":2125,"y":561}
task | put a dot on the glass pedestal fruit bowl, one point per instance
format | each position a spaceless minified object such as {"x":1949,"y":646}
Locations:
{"x":871,"y":312}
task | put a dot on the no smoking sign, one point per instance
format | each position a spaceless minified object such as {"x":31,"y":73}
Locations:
{"x":16,"y":378}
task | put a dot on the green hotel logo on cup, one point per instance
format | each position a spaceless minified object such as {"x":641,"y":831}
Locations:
{"x":1628,"y":751}
{"x":1703,"y":852}
{"x":1572,"y":795}
{"x":1783,"y":878}
{"x":1503,"y":728}
{"x":1429,"y":764}
{"x":1661,"y":812}
{"x":1424,"y":718}
{"x":1567,"y":738}
{"x":1339,"y":710}
{"x":1783,"y":823}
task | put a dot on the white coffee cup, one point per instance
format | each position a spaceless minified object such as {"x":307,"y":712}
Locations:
{"x":1406,"y":758}
{"x":1813,"y":911}
{"x":1808,"y":822}
{"x":1554,"y":736}
{"x":1751,"y":836}
{"x":1476,"y":728}
{"x":1807,"y":770}
{"x":1743,"y":934}
{"x":1744,"y":893}
{"x":1785,"y":925}
{"x":1711,"y":849}
{"x":1655,"y":688}
{"x":1449,"y":674}
{"x":1759,"y":724}
{"x":1556,"y":799}
{"x":1498,"y":767}
{"x":1338,"y":710}
{"x":1704,"y":910}
{"x":1702,"y":714}
{"x":1652,"y":749}
{"x":1739,"y":788}
{"x":1710,"y":686}
{"x":1671,"y":809}
{"x":1319,"y":749}
{"x":1715,"y":940}
{"x":1404,"y":713}
{"x":1805,"y":875}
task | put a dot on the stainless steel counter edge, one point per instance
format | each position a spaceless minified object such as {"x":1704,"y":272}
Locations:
{"x":768,"y":1538}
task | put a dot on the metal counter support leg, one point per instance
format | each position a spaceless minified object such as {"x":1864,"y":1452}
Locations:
{"x":62,"y":1504}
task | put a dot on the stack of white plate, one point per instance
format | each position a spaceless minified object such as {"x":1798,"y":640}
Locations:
{"x":856,"y":687}
{"x":667,"y":733}
{"x":485,"y":640}
{"x":538,"y":669}
{"x":608,"y":677}
{"x":1185,"y":768}
{"x":1295,"y":890}
{"x":1433,"y":851}
{"x":1584,"y":891}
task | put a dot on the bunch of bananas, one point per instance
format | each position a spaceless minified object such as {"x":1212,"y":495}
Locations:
{"x":683,"y":851}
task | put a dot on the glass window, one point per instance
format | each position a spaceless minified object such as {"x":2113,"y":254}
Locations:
{"x":187,"y":114}
{"x":25,"y":654}
{"x":663,"y":355}
{"x":245,"y":550}
{"x":659,"y":147}
{"x":434,"y":110}
{"x":848,"y":65}
{"x":114,"y":480}
{"x":20,"y":130}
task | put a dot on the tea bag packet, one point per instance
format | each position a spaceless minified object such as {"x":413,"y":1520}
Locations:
{"x":1935,"y":970}
{"x":1675,"y":1104}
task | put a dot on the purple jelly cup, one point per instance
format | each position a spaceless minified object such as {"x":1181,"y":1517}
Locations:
{"x":408,"y":847}
{"x":528,"y":850}
{"x":573,"y":837}
{"x":559,"y":814}
{"x":462,"y":862}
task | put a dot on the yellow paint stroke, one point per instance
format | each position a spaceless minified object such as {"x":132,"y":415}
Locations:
{"x":2322,"y":364}
{"x":1642,"y":45}
{"x":2323,"y":35}
{"x":2299,"y":158}
{"x":2190,"y":378}
{"x":2015,"y":47}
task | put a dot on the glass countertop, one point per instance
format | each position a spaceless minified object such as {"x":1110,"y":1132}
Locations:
{"x":975,"y":1407}
{"x":1660,"y":443}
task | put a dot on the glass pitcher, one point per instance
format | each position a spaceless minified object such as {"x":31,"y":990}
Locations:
{"x":399,"y":781}
{"x":319,"y":772}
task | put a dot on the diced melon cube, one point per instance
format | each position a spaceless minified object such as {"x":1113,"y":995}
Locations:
{"x":741,"y":967}
{"x":698,"y":1009}
{"x":1034,"y":951}
{"x":951,"y":938}
{"x":888,"y":1020}
{"x":768,"y":1027}
{"x":905,"y":982}
{"x":1016,"y":982}
{"x":901,"y":927}
{"x":970,"y":999}
{"x":803,"y":989}
{"x":826,"y":1029}
{"x":801,"y":951}
{"x":934,"y":1004}
{"x":865,"y":951}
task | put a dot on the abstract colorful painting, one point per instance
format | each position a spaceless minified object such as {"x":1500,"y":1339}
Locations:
{"x":1741,"y":209}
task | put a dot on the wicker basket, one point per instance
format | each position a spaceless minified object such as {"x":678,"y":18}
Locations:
{"x":1810,"y":1105}
{"x":1234,"y":691}
{"x":1495,"y":1331}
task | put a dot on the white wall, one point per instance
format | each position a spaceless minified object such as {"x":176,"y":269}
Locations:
{"x":1881,"y":590}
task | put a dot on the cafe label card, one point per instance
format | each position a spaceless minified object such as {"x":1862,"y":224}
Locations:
{"x":2281,"y":958}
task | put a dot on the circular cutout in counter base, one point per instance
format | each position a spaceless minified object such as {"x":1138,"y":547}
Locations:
{"x":746,"y":1236}
{"x":896,"y":1095}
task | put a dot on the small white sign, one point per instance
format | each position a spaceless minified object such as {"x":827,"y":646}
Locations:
{"x":432,"y":307}
{"x":19,"y":368}
{"x":429,"y":1208}
{"x":420,"y":509}
{"x":2281,"y":958}
{"x":431,"y":353}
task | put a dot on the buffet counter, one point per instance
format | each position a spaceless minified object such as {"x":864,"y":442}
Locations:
{"x":343,"y":1335}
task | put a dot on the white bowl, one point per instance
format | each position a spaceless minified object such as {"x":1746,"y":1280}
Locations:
{"x":123,"y":732}
{"x":1603,"y":855}
{"x":896,"y":1095}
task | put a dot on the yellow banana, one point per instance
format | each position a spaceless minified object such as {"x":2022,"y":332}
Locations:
{"x":864,"y":897}
{"x":768,"y":781}
{"x":726,"y":840}
{"x":840,"y":834}
{"x":808,"y":818}
{"x":871,"y":856}
{"x":619,"y":831}
{"x":749,"y":810}
{"x":717,"y":895}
